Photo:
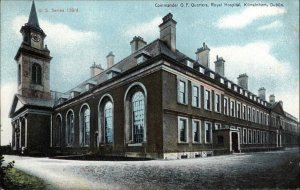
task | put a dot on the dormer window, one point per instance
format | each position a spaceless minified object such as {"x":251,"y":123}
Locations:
{"x":142,"y":57}
{"x":189,"y":64}
{"x":36,"y":74}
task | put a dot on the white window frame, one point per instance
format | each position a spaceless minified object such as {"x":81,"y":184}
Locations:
{"x":241,"y":134}
{"x":186,"y":129}
{"x":245,"y":134}
{"x":249,"y":113}
{"x":238,"y":106}
{"x":244,"y":113}
{"x":199,"y":132}
{"x":232,"y":115}
{"x":207,"y":122}
{"x":217,"y":106}
{"x":253,"y":115}
{"x":199,"y":96}
{"x":254,"y":136}
{"x":225,"y":108}
{"x":250,"y":136}
{"x":205,"y":100}
{"x":218,"y":126}
{"x":185,"y":81}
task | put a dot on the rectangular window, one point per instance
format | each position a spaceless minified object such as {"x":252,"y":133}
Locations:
{"x":262,"y":137}
{"x":258,"y":137}
{"x":182,"y":130}
{"x":244,"y":136}
{"x":254,"y":136}
{"x":267,"y":119}
{"x":196,"y":131}
{"x":253,"y":115}
{"x":217,"y":126}
{"x":244,"y":112}
{"x":196,"y":96}
{"x":241,"y":135}
{"x":217,"y":103}
{"x":257,"y":116}
{"x":250,"y":136}
{"x":261,"y":118}
{"x":225,"y":106}
{"x":249,"y":113}
{"x":208,"y":133}
{"x":238,"y":110}
{"x":207,"y":100}
{"x":182,"y":92}
{"x":232,"y":109}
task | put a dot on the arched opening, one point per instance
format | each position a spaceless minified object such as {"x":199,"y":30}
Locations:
{"x":85,"y":126}
{"x":70,"y":131}
{"x":56,"y":131}
{"x":135,"y":114}
{"x":106,"y":115}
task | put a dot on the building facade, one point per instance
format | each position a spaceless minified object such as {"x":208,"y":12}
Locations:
{"x":155,"y":103}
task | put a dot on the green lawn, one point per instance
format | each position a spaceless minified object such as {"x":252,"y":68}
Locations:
{"x":17,"y":179}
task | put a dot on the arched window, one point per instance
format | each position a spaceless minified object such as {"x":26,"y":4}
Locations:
{"x":105,"y":133}
{"x":85,"y":126}
{"x":56,"y":131}
{"x":108,"y":125}
{"x":36,"y":75}
{"x":70,"y":132}
{"x":135,"y":102}
{"x":138,"y":117}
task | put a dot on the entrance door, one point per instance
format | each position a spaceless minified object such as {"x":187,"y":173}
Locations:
{"x":235,"y":142}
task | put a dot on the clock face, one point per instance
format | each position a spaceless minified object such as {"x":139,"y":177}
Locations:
{"x":35,"y":37}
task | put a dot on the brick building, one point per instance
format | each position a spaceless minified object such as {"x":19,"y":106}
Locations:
{"x":156,"y":103}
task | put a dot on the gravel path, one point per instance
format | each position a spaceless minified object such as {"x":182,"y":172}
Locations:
{"x":277,"y":169}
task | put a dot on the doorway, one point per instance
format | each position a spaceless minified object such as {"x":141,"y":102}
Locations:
{"x":235,"y":142}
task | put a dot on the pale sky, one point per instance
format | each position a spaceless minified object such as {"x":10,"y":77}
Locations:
{"x":260,"y":41}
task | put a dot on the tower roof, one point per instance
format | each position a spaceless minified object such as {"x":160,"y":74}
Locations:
{"x":33,"y":19}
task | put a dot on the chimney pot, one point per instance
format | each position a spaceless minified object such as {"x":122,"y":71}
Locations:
{"x":110,"y":59}
{"x":168,"y":31}
{"x":272,"y":98}
{"x":202,"y":55}
{"x":137,"y":43}
{"x":96,"y":69}
{"x":243,"y":81}
{"x":220,"y":66}
{"x":262,"y":93}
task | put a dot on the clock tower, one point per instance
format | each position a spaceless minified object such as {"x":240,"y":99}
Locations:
{"x":33,"y":59}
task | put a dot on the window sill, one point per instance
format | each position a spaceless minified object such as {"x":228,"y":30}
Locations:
{"x":207,"y":109}
{"x":135,"y":144}
{"x":198,"y":107}
{"x":184,"y":104}
{"x":182,"y":143}
{"x":196,"y":143}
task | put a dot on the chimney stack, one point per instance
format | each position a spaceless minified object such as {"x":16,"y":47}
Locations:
{"x":281,"y":103}
{"x":243,"y":81}
{"x":202,"y":55}
{"x":272,"y":98}
{"x":168,"y":31}
{"x":110,"y":59}
{"x":137,"y":43}
{"x":262,"y":93}
{"x":96,"y":69}
{"x":220,"y":66}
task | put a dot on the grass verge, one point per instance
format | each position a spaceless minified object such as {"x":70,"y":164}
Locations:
{"x":17,"y":179}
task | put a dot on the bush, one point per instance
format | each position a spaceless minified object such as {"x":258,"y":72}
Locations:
{"x":4,"y":182}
